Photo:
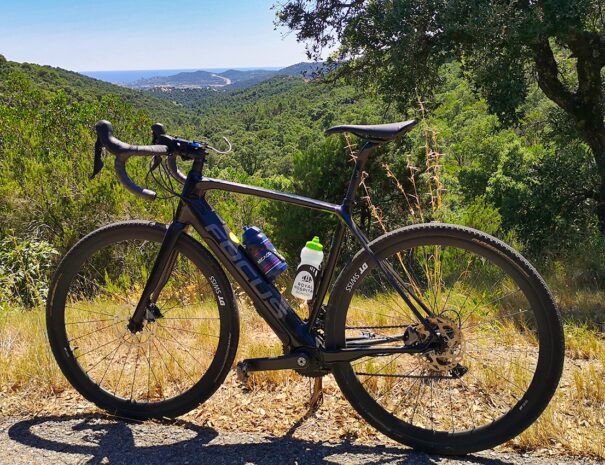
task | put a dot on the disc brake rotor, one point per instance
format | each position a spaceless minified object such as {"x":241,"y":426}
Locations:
{"x":449,"y":355}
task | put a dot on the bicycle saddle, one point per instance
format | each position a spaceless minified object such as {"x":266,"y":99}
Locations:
{"x":376,"y":132}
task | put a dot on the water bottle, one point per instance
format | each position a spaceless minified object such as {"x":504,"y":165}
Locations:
{"x":311,"y":257}
{"x":260,"y":248}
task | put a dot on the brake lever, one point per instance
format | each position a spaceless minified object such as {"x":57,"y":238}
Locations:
{"x":221,"y":152}
{"x":155,"y":162}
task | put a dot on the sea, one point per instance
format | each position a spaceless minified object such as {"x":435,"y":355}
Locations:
{"x":129,"y":76}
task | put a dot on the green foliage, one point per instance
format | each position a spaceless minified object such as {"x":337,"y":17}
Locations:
{"x":533,"y":185}
{"x":399,"y":49}
{"x":482,"y":215}
{"x":24,"y":271}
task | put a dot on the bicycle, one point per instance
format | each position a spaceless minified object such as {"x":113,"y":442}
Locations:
{"x":440,"y":336}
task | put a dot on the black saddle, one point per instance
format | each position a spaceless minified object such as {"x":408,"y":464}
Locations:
{"x":378,"y":133}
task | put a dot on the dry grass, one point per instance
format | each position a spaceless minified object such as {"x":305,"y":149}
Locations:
{"x":573,"y":424}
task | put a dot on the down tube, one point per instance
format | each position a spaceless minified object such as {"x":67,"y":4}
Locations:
{"x":267,"y":299}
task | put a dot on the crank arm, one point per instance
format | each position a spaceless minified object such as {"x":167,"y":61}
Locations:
{"x":294,"y":361}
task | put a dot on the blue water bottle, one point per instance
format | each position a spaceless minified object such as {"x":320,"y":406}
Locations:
{"x":260,"y":248}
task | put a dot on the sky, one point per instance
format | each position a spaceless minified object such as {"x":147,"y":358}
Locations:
{"x":93,"y":35}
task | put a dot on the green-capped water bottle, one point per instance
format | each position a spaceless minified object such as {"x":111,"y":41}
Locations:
{"x":311,"y":257}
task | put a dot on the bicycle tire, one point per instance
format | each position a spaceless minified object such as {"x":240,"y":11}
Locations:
{"x":220,"y":293}
{"x":549,"y":362}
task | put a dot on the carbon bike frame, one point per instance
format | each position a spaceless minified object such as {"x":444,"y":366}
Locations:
{"x":193,"y":210}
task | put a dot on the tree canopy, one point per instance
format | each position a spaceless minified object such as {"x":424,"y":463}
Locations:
{"x":399,"y":46}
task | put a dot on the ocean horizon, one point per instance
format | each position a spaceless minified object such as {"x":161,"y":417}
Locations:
{"x":129,"y":76}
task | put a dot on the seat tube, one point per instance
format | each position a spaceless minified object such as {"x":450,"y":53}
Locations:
{"x":361,"y":158}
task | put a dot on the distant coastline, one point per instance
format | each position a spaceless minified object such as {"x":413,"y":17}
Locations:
{"x":130,"y":76}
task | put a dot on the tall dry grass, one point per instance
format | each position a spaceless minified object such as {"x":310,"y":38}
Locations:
{"x":574,"y":423}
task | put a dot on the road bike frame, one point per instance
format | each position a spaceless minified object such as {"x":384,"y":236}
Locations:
{"x":193,"y":210}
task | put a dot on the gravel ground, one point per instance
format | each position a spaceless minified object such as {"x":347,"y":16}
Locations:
{"x":90,"y":439}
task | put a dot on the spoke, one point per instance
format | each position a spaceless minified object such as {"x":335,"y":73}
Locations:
{"x":173,"y":378}
{"x":147,"y":356}
{"x":394,"y":296}
{"x":150,"y":372}
{"x":174,"y":358}
{"x":509,"y":361}
{"x":98,"y":347}
{"x":95,"y":331}
{"x":186,"y":348}
{"x":182,"y":305}
{"x":190,"y":331}
{"x":84,"y":309}
{"x":418,"y":399}
{"x":191,"y":318}
{"x":432,"y":407}
{"x":110,"y":362}
{"x":499,"y":375}
{"x":387,"y":375}
{"x":466,"y":328}
{"x":105,"y":357}
{"x":414,"y":386}
{"x":382,"y":368}
{"x":452,"y":408}
{"x":484,"y":392}
{"x":466,"y":398}
{"x":136,"y":365}
{"x":407,"y":375}
{"x":505,"y":350}
{"x":463,"y":272}
{"x":88,"y":321}
{"x":482,"y":303}
{"x":376,"y":313}
{"x":119,"y":297}
{"x":117,"y":385}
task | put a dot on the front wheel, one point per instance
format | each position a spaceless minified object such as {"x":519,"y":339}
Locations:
{"x":501,"y":340}
{"x":189,"y":338}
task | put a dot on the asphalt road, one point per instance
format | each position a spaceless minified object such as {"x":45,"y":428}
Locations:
{"x":98,"y":440}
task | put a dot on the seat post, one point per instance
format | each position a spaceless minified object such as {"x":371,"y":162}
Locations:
{"x":361,"y":158}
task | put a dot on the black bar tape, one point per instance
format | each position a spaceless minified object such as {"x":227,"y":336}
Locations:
{"x":123,"y":152}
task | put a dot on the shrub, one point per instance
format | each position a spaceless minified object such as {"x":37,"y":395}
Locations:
{"x":25,"y":267}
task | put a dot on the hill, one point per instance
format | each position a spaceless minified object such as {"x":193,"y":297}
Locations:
{"x":187,"y":79}
{"x":228,"y":80}
{"x":79,"y":88}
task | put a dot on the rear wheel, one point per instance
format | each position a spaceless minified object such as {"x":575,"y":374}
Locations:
{"x":189,"y":339}
{"x":501,"y":352}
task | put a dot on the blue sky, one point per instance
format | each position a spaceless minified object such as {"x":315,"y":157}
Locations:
{"x":86,"y":35}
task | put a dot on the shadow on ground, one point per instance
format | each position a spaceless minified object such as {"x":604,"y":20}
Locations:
{"x":98,"y":439}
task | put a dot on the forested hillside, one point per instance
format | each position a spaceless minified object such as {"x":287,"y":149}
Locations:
{"x":526,"y":184}
{"x":79,"y":88}
{"x":228,"y":80}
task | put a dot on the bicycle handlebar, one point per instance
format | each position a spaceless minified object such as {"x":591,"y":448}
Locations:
{"x":158,"y":131}
{"x":124,"y":151}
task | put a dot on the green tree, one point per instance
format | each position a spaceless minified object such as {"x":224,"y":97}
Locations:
{"x":398,"y":47}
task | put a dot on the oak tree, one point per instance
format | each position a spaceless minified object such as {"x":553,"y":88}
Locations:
{"x":398,"y":46}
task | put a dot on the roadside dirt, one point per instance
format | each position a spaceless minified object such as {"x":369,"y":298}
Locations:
{"x":95,"y":439}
